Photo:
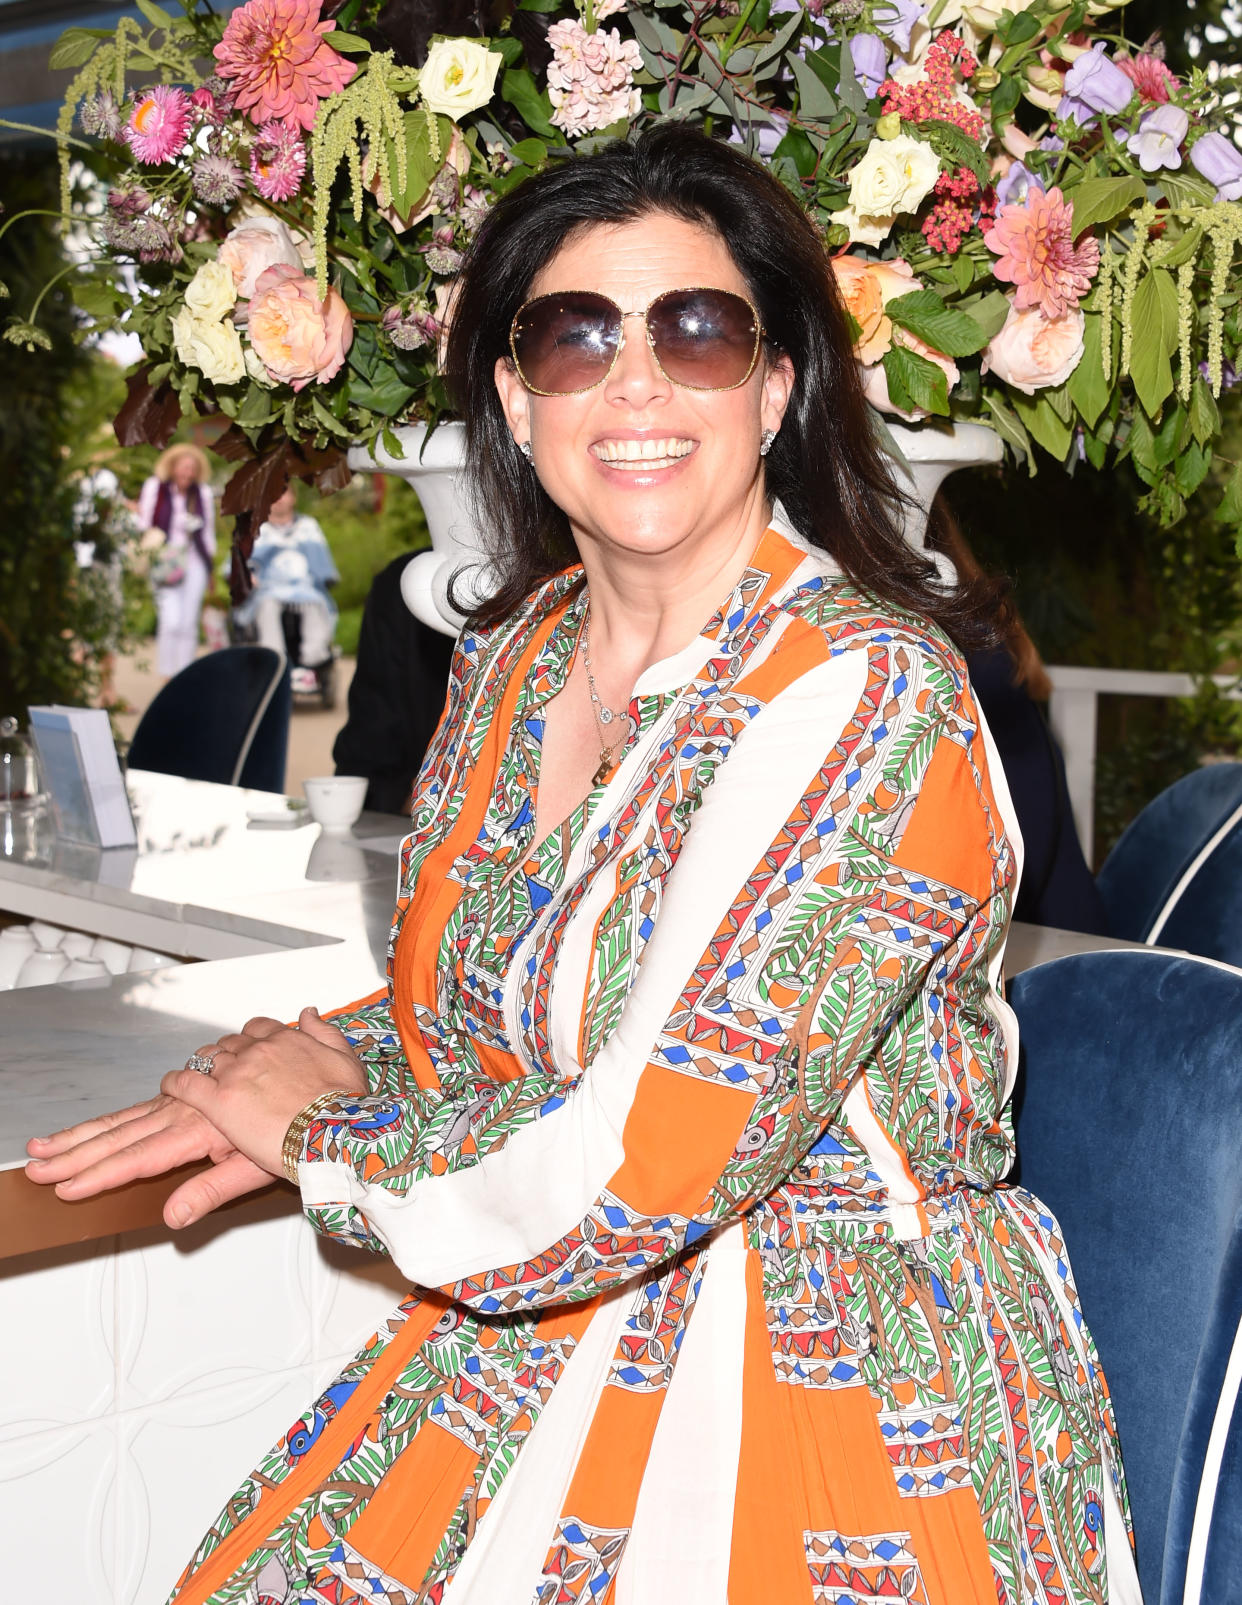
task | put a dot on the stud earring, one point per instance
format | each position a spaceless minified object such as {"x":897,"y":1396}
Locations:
{"x":527,"y":450}
{"x":765,"y":441}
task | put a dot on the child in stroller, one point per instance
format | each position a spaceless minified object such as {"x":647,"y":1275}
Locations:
{"x":291,"y":607}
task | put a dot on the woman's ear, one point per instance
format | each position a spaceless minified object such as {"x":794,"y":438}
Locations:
{"x":778,"y":383}
{"x":514,"y":398}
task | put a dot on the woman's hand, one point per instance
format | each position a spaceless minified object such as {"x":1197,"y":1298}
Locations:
{"x":147,"y":1139}
{"x":264,"y":1075}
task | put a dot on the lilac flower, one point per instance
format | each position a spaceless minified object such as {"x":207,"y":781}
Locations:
{"x":870,"y":61}
{"x":767,"y":136}
{"x":896,"y":20}
{"x":1016,"y":185}
{"x":1157,"y":141}
{"x":1052,"y":142}
{"x":1228,"y":374}
{"x":1094,"y":84}
{"x":1220,"y":162}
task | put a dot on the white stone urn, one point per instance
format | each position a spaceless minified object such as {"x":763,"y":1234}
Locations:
{"x":437,"y":474}
{"x":435,"y":467}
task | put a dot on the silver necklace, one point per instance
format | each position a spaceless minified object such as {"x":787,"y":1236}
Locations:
{"x":604,"y":715}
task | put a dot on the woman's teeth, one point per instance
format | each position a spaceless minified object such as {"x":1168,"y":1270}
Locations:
{"x":630,"y":454}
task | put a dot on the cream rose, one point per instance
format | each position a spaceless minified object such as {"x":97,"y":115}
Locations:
{"x":296,"y":336}
{"x":1032,"y":352}
{"x":458,"y":76}
{"x":252,"y":247}
{"x":985,"y":14}
{"x":208,"y":344}
{"x":893,"y":176}
{"x":211,"y":293}
{"x":863,"y":230}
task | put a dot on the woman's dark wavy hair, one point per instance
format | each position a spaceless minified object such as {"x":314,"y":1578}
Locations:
{"x":825,"y":466}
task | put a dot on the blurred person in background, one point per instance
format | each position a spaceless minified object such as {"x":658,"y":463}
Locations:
{"x":1013,"y":689}
{"x":292,"y":567}
{"x":175,"y":510}
{"x":396,"y":696}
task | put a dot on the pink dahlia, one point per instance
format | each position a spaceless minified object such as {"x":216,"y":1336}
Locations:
{"x":273,"y":51}
{"x":277,"y":161}
{"x":1035,"y":245}
{"x":158,"y":124}
{"x":1149,"y":75}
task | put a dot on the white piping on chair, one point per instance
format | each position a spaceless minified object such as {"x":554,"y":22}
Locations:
{"x":253,"y":730}
{"x":1195,"y":865}
{"x":1196,"y":1555}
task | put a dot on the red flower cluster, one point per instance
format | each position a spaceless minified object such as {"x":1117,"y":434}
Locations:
{"x":950,"y":219}
{"x":935,"y":95}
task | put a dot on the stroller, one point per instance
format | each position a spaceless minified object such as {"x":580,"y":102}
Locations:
{"x":288,"y":583}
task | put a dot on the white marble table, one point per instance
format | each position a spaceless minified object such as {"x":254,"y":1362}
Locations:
{"x":147,"y":1369}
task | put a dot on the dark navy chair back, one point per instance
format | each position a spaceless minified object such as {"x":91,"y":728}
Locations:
{"x":1157,"y":868}
{"x":1129,"y":1122}
{"x":223,"y":718}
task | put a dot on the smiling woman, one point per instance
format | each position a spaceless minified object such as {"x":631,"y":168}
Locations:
{"x":684,"y":1109}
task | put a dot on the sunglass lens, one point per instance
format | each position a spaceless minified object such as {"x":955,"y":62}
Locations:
{"x":704,"y":339}
{"x":565,"y":343}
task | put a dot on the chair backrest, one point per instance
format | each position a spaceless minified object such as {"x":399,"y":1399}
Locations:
{"x":224,"y":718}
{"x":1129,"y":1124}
{"x":1149,"y":871}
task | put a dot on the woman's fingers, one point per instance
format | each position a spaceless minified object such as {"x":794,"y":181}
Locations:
{"x":310,"y":1022}
{"x":60,"y":1141}
{"x":149,"y":1153}
{"x":233,"y":1177}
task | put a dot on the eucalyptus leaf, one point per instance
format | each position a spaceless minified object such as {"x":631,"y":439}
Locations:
{"x":777,"y":44}
{"x":814,"y":101}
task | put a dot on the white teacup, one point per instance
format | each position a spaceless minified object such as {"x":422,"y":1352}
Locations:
{"x":335,"y":801}
{"x":16,"y":946}
{"x":85,"y":969}
{"x":114,"y":954}
{"x":47,"y":936}
{"x":146,"y":958}
{"x":42,"y":968}
{"x":77,"y":944}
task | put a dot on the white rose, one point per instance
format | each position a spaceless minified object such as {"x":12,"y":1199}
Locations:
{"x":211,"y":293}
{"x":458,"y":76}
{"x":893,"y":176}
{"x":864,"y":230}
{"x":252,"y":247}
{"x":256,"y":369}
{"x":213,"y":346}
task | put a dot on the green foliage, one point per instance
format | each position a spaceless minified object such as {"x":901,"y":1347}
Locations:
{"x":364,"y":540}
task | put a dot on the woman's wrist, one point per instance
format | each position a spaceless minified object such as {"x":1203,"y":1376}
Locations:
{"x":295,"y":1136}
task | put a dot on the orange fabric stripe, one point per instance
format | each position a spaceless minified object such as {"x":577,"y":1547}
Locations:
{"x":855,"y":1491}
{"x":703,"y":1119}
{"x":767,"y":1561}
{"x":319,"y":1462}
{"x":778,"y":557}
{"x":359,"y":1003}
{"x":946,"y":1533}
{"x":418,"y":943}
{"x":801,"y":648}
{"x":947,"y":835}
{"x":408,"y":1514}
{"x":609,"y":1473}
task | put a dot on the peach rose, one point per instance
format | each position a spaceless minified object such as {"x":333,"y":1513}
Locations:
{"x":252,"y":247}
{"x":296,"y":336}
{"x":1032,"y":352}
{"x":875,"y":380}
{"x":867,"y":288}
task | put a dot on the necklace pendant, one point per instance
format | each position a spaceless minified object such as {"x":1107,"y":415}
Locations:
{"x":605,"y":715}
{"x":604,"y":770}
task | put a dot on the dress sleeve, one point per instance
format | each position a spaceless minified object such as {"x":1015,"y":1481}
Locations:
{"x":146,"y":502}
{"x":209,"y":518}
{"x":840,"y":850}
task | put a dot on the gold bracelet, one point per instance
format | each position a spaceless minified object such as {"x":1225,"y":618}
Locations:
{"x":291,"y":1148}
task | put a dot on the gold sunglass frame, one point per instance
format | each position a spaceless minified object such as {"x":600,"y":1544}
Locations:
{"x":685,"y":289}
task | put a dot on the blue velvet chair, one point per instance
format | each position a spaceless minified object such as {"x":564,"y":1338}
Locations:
{"x":1129,"y":1122}
{"x":1156,"y":877}
{"x":224,"y":718}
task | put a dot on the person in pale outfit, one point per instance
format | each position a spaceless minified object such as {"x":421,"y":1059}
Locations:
{"x":175,"y":509}
{"x":292,"y":567}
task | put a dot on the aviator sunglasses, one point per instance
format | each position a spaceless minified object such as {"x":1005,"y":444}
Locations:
{"x":701,"y":339}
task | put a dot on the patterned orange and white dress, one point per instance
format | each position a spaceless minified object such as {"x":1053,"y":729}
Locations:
{"x":688,"y":1127}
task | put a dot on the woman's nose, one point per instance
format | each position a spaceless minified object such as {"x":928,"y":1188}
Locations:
{"x":636,"y":379}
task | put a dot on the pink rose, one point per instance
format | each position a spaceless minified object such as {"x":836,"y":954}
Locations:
{"x":296,"y":336}
{"x":254,"y":246}
{"x":1032,"y":352}
{"x":875,"y":380}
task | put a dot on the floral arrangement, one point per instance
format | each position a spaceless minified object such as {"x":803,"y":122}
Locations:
{"x":1033,"y":223}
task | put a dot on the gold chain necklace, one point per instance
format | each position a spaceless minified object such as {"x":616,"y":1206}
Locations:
{"x":604,"y":715}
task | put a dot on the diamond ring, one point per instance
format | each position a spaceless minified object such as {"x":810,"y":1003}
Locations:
{"x":202,"y":1062}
